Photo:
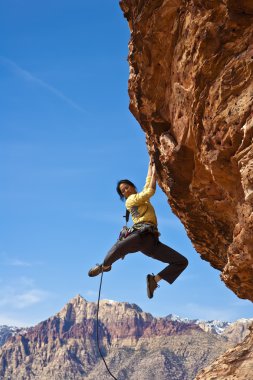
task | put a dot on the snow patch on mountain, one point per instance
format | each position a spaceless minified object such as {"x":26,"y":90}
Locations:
{"x":215,"y":327}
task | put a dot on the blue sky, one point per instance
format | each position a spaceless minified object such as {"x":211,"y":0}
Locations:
{"x":66,"y":137}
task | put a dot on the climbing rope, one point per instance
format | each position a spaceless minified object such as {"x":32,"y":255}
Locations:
{"x":100,"y":286}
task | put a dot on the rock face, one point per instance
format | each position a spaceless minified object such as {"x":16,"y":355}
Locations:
{"x":136,"y":345}
{"x":236,"y":332}
{"x":6,"y":332}
{"x":191,"y":90}
{"x":237,"y":363}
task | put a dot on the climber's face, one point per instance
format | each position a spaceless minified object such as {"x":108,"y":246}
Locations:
{"x":127,"y":190}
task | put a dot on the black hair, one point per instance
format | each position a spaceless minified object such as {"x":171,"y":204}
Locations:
{"x":118,"y":187}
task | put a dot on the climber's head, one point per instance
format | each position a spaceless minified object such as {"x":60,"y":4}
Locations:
{"x":125,"y":188}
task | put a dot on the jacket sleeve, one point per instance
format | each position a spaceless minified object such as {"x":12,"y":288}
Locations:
{"x":142,"y":197}
{"x":148,"y":180}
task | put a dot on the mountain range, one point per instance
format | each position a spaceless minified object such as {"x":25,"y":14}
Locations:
{"x":135,"y":344}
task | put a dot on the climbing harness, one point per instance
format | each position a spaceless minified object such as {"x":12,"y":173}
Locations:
{"x":99,"y":350}
{"x":145,"y":227}
{"x":142,"y":228}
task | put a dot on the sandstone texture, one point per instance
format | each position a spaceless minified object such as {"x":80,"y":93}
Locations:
{"x":191,"y":90}
{"x":136,"y":346}
{"x":237,"y":363}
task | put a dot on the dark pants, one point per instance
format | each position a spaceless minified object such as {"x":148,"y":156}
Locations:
{"x":148,"y":244}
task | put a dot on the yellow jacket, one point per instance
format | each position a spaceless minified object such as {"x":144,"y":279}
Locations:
{"x":140,"y":207}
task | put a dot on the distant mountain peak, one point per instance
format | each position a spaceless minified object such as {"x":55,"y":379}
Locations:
{"x":130,"y":338}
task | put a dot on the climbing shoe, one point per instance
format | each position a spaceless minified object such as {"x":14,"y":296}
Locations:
{"x":97,"y":269}
{"x":151,"y":285}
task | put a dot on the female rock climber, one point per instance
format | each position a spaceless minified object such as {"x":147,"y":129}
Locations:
{"x":144,"y":235}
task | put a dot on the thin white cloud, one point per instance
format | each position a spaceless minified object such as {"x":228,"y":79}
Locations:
{"x":20,"y":293}
{"x":25,"y":281}
{"x":7,"y":260}
{"x":21,"y":299}
{"x":9,"y":321}
{"x":27,"y":76}
{"x":19,"y":263}
{"x":29,"y":298}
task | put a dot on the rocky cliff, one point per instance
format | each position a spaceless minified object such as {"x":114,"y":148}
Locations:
{"x":236,"y":332}
{"x":6,"y":332}
{"x":237,"y":363}
{"x":136,"y":345}
{"x":191,"y":90}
